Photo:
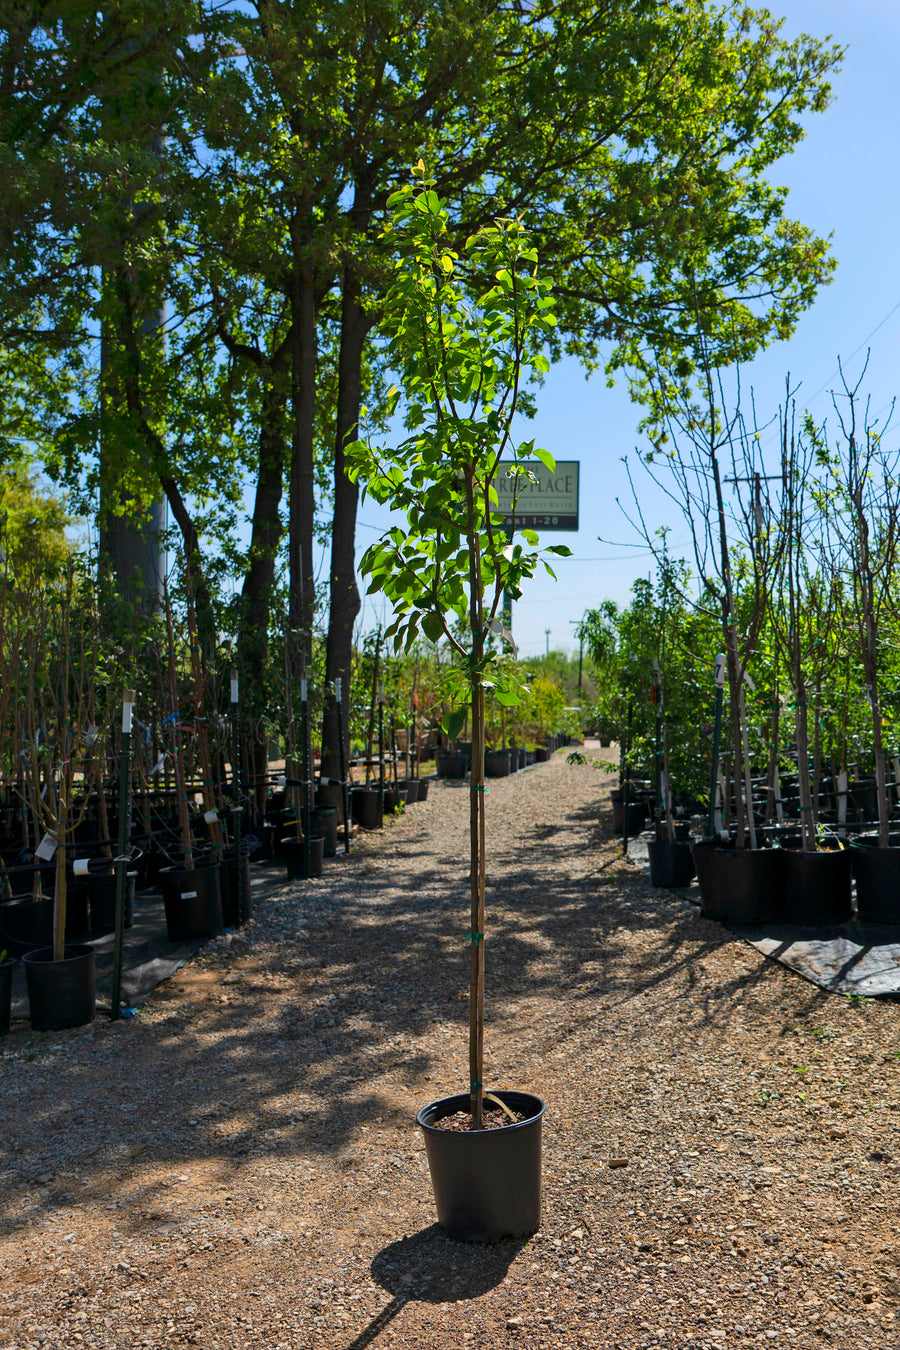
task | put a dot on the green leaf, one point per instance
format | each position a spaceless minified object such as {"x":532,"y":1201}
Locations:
{"x":453,"y":722}
{"x":546,"y":458}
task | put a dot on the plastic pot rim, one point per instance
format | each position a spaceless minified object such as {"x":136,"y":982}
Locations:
{"x":446,"y":1106}
{"x":43,"y":956}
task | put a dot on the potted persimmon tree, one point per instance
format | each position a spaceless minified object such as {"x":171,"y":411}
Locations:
{"x":465,"y":330}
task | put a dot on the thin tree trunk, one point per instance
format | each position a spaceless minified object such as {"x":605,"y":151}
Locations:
{"x":301,"y":594}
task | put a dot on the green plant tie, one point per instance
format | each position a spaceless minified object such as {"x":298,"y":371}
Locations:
{"x":478,"y":787}
{"x":475,"y":937}
{"x":475,"y":1085}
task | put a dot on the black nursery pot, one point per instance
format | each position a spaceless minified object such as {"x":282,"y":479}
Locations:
{"x":366,"y":808}
{"x":234,"y":914}
{"x":26,"y":923}
{"x":671,"y":863}
{"x":487,"y":1183}
{"x":877,"y":873}
{"x":101,"y":893}
{"x":293,"y":852}
{"x":411,"y":787}
{"x":422,"y":789}
{"x":324,"y":821}
{"x":394,"y":799}
{"x":497,"y":763}
{"x":451,"y":766}
{"x":818,"y":887}
{"x":193,"y":902}
{"x":6,"y":973}
{"x":739,"y":885}
{"x":630,"y":817}
{"x":61,"y":994}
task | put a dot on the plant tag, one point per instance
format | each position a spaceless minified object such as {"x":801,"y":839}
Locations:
{"x":210,"y":817}
{"x":127,"y":711}
{"x":380,"y":691}
{"x":81,"y":867}
{"x":189,"y":895}
{"x":234,"y":689}
{"x":337,"y":689}
{"x":282,"y":782}
{"x":303,"y":688}
{"x":720,"y":669}
{"x":323,"y":780}
{"x":749,"y":683}
{"x":842,"y":782}
{"x":91,"y":734}
{"x":496,"y":626}
{"x":46,"y":848}
{"x":158,"y":765}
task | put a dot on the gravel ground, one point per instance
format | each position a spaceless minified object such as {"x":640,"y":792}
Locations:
{"x":238,"y":1165}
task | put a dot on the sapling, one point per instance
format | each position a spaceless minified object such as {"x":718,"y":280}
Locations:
{"x":465,"y":333}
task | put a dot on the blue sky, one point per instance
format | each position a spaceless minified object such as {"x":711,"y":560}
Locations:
{"x":843,"y":181}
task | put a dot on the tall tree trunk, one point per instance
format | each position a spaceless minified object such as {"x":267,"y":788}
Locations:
{"x":344,"y":594}
{"x":301,"y":593}
{"x":259,"y":582}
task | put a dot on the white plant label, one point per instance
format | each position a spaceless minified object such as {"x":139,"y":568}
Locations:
{"x":127,"y":716}
{"x":720,"y":669}
{"x":210,"y":817}
{"x":842,"y":798}
{"x":337,"y":690}
{"x":323,"y":780}
{"x":91,"y":734}
{"x":81,"y":867}
{"x":189,"y":895}
{"x":303,"y":687}
{"x":46,"y":848}
{"x":234,"y":689}
{"x":749,"y":683}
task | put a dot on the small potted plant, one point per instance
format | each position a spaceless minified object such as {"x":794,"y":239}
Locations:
{"x":465,"y":332}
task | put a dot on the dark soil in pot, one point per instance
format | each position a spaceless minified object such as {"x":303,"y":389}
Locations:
{"x":818,"y":887}
{"x":6,"y":973}
{"x":61,"y":994}
{"x":193,"y":902}
{"x":671,"y":863}
{"x":487,"y":1183}
{"x":739,"y":885}
{"x":877,"y":873}
{"x":295,"y":857}
{"x":366,"y":809}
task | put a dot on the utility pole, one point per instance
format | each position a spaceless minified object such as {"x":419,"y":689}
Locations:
{"x":547,"y":642}
{"x":580,"y":632}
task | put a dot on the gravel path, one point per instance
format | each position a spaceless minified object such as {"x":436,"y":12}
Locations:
{"x":238,"y":1165}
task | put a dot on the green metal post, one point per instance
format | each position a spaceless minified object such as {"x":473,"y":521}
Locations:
{"x":122,"y":854}
{"x":345,"y":788}
{"x":237,"y":803}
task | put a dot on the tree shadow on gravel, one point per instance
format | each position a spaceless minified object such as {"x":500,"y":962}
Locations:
{"x":359,"y":986}
{"x":429,"y":1267}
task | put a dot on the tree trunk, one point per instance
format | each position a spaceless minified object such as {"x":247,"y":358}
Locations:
{"x":344,"y":594}
{"x":259,"y":582}
{"x":302,"y":508}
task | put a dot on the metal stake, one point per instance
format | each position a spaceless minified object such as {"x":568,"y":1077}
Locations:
{"x":122,"y":856}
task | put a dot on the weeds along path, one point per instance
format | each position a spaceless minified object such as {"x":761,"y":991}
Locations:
{"x":238,"y":1166}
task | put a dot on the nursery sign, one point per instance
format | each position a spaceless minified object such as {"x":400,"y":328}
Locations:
{"x":544,"y":500}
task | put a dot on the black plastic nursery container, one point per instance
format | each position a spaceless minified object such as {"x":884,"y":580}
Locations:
{"x":6,"y":974}
{"x":61,"y":994}
{"x":26,"y":923}
{"x":487,"y":1183}
{"x":294,"y":853}
{"x":101,"y":893}
{"x":193,"y":902}
{"x":324,"y":821}
{"x":366,"y":808}
{"x":817,"y":887}
{"x":877,"y":873}
{"x":739,"y":885}
{"x":234,"y":913}
{"x":411,"y":788}
{"x":497,"y":763}
{"x":671,"y":863}
{"x":451,"y":766}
